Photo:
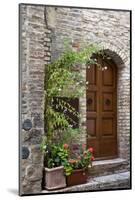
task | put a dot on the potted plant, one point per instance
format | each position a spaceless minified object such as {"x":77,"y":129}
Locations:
{"x":76,"y":170}
{"x":56,"y":157}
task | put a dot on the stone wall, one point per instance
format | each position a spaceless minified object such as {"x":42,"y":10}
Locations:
{"x":34,"y":54}
{"x":42,"y":34}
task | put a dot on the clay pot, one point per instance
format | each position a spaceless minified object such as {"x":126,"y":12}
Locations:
{"x":78,"y":176}
{"x":54,"y":178}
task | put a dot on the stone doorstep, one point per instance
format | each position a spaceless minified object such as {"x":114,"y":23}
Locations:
{"x":107,"y":167}
{"x":114,"y":181}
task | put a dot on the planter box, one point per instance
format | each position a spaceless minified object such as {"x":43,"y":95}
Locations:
{"x":54,"y":178}
{"x":78,"y":176}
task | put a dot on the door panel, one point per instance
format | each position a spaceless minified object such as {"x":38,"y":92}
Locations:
{"x":107,"y":126}
{"x":108,"y":77}
{"x":101,"y":109}
{"x":91,"y":124}
{"x":92,"y":77}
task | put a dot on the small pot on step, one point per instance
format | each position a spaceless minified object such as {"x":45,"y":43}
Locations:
{"x":78,"y":176}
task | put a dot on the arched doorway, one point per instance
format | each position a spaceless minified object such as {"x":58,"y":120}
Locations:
{"x":101,"y":98}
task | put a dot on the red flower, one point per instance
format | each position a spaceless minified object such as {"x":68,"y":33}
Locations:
{"x":71,"y":161}
{"x":66,"y":146}
{"x":90,"y":150}
{"x":92,"y":158}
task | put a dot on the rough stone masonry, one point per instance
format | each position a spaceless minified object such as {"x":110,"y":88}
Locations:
{"x":43,"y":30}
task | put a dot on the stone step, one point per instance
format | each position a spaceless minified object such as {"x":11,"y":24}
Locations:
{"x":108,"y":182}
{"x":107,"y":167}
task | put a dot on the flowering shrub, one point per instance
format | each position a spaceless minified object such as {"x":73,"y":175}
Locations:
{"x":81,"y":162}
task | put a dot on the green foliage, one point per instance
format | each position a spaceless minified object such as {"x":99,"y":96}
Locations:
{"x":56,"y":156}
{"x":67,"y":135}
{"x":64,"y":72}
{"x":67,"y":169}
{"x":63,"y":79}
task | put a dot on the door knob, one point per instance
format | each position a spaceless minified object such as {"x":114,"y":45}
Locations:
{"x":107,"y":102}
{"x":89,"y":101}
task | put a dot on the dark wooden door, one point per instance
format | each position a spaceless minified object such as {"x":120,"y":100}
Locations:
{"x":101,"y":109}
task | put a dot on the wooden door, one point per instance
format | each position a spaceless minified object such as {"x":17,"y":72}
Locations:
{"x":101,"y":109}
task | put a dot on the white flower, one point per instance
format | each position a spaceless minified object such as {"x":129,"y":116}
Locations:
{"x":87,"y":82}
{"x":70,"y":126}
{"x":44,"y":147}
{"x":59,"y":89}
{"x":65,"y":110}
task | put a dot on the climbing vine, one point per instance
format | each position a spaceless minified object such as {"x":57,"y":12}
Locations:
{"x":63,"y":78}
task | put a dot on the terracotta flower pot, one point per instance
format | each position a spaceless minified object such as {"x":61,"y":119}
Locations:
{"x":78,"y":176}
{"x":54,"y":178}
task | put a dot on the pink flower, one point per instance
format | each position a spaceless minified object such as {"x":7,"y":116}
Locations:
{"x":66,"y":146}
{"x":90,"y":150}
{"x":71,"y":161}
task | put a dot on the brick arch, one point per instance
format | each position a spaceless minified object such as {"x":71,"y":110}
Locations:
{"x":119,"y":55}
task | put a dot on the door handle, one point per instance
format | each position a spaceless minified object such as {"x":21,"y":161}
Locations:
{"x":107,"y":102}
{"x":89,"y":101}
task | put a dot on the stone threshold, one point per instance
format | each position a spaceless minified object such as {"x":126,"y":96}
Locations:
{"x":113,"y":181}
{"x":108,"y":167}
{"x":109,"y":161}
